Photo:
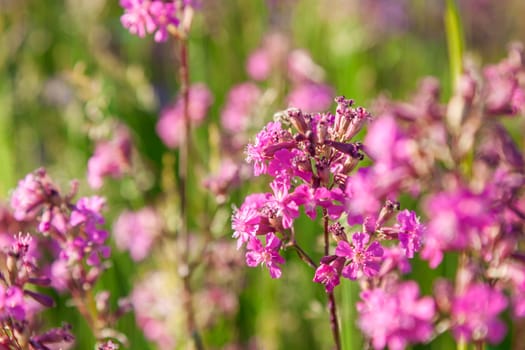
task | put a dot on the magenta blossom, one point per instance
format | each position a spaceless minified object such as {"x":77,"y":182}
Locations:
{"x":143,"y":17}
{"x":410,"y":232}
{"x":283,"y":202}
{"x":30,"y":194}
{"x":458,"y":220}
{"x":136,"y":17}
{"x":363,"y":196}
{"x":12,"y":303}
{"x":395,"y":316}
{"x":245,"y":223}
{"x":163,"y":15}
{"x":475,"y":314}
{"x":272,"y":138}
{"x":328,"y":273}
{"x":267,"y":256}
{"x":362,"y":257}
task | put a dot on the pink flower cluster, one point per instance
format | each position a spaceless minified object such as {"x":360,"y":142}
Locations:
{"x":310,"y":158}
{"x":71,"y":234}
{"x":143,"y":17}
{"x":396,"y":316}
{"x":19,"y":302}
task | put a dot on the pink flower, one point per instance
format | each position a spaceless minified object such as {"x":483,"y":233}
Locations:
{"x":111,"y":158}
{"x":395,"y":316}
{"x":240,"y":105}
{"x":137,"y":231}
{"x":457,"y":220}
{"x":385,"y":143}
{"x":362,"y":258}
{"x":303,"y":70}
{"x":88,"y":210}
{"x":136,"y":17}
{"x":311,"y":97}
{"x":154,"y":317}
{"x":284,"y":203}
{"x":267,"y":256}
{"x":475,"y":314}
{"x":328,"y":273}
{"x":259,"y":65}
{"x":226,"y":180}
{"x":163,"y":15}
{"x":30,"y":194}
{"x":410,"y":232}
{"x":245,"y":223}
{"x":12,"y":303}
{"x":170,"y":126}
{"x":363,"y":195}
{"x":271,"y":139}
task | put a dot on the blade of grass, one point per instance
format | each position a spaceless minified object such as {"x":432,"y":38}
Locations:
{"x":455,"y":40}
{"x":7,"y":180}
{"x":350,"y":335}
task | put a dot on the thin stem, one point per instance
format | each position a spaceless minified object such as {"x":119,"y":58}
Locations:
{"x":184,"y":152}
{"x":332,"y":307}
{"x":326,"y":242}
{"x":333,"y":320}
{"x":302,"y":254}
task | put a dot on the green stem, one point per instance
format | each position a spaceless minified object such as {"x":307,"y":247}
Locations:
{"x":455,"y":40}
{"x":462,"y":345}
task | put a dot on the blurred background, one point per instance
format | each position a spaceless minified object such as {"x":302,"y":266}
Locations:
{"x":70,"y":73}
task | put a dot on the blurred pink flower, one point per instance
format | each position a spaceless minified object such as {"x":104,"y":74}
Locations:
{"x":170,"y":126}
{"x":475,"y":314}
{"x":163,"y":15}
{"x":395,"y":316}
{"x":143,"y":17}
{"x":240,"y":104}
{"x":136,"y":232}
{"x":259,"y":65}
{"x":303,"y":70}
{"x":111,"y":158}
{"x":311,"y":97}
{"x":136,"y":17}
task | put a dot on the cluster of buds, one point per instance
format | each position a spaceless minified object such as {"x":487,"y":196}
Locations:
{"x":20,"y":302}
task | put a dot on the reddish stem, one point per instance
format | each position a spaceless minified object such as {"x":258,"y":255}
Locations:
{"x":332,"y":307}
{"x":184,"y":268}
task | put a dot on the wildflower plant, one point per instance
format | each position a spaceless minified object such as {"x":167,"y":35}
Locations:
{"x":313,"y":163}
{"x":71,"y":233}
